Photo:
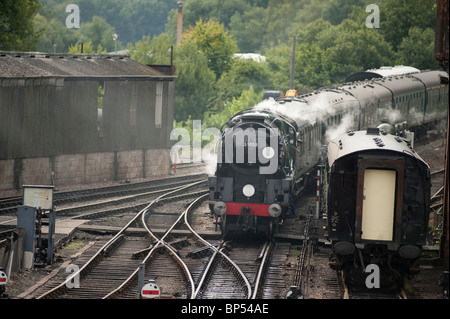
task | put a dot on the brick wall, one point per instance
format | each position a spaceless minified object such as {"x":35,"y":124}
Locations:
{"x":84,"y":168}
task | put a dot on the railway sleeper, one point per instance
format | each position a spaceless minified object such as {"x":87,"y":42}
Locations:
{"x":175,"y":243}
{"x":201,"y":252}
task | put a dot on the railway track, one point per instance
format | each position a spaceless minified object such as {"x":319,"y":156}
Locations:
{"x":222,"y":277}
{"x":112,"y":267}
{"x":74,"y":199}
{"x":103,"y":202}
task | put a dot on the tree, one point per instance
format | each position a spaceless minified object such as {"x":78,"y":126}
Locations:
{"x":417,"y":49}
{"x":247,"y":99}
{"x":243,"y":74}
{"x":211,"y":38}
{"x":141,"y":51}
{"x":87,"y":48}
{"x":397,"y":17}
{"x":131,"y":19}
{"x":16,"y":25}
{"x":154,"y":51}
{"x":55,"y":36}
{"x":248,"y":29}
{"x":99,"y":32}
{"x":194,"y":82}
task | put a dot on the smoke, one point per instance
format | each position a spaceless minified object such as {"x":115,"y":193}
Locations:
{"x":347,"y":123}
{"x":300,"y":111}
{"x":210,"y":161}
{"x":311,"y":112}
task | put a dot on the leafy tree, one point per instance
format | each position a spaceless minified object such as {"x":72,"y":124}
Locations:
{"x":361,"y":47}
{"x":131,"y":19}
{"x":194,"y":10}
{"x":55,"y":36}
{"x":141,"y":51}
{"x":154,"y":51}
{"x":248,"y":29}
{"x":211,"y":38}
{"x":88,"y":47}
{"x":277,"y":58}
{"x":246,"y":100}
{"x":99,"y":32}
{"x":311,"y":67}
{"x":338,"y":10}
{"x":417,"y":49}
{"x":160,"y":48}
{"x":194,"y":82}
{"x":16,"y":25}
{"x":243,"y":74}
{"x":398,"y":16}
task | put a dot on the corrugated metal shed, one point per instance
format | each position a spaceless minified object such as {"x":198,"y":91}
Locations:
{"x":33,"y":64}
{"x":49,"y":104}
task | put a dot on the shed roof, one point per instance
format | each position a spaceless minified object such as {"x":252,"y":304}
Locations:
{"x":36,"y":64}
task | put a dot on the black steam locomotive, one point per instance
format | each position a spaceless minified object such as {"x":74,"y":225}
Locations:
{"x":266,"y":153}
{"x":378,"y":201}
{"x":255,"y":174}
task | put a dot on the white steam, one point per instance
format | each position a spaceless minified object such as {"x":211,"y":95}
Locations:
{"x":301,"y":112}
{"x":311,"y":112}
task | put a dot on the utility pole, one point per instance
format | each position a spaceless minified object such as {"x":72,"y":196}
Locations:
{"x":292,"y":64}
{"x":179,"y":22}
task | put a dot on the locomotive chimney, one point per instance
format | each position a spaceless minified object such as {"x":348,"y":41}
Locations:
{"x":179,"y":22}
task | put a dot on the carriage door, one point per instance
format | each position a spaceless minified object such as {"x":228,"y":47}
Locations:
{"x":379,"y":199}
{"x":378,"y":205}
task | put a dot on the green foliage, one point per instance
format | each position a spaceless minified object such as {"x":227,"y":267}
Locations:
{"x":243,"y":74}
{"x":417,"y":49}
{"x":397,"y":17}
{"x":332,"y":41}
{"x":16,"y":25}
{"x":87,"y":48}
{"x":55,"y":36}
{"x":246,"y":100}
{"x":214,"y":42}
{"x":154,"y":51}
{"x":131,"y":19}
{"x":194,"y":83}
{"x":99,"y":32}
{"x":249,"y":29}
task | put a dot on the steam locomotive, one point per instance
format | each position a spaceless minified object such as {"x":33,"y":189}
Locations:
{"x":378,"y":202}
{"x":266,"y":153}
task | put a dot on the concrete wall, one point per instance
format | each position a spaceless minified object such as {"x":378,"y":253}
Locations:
{"x":53,"y":116}
{"x":84,"y":168}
